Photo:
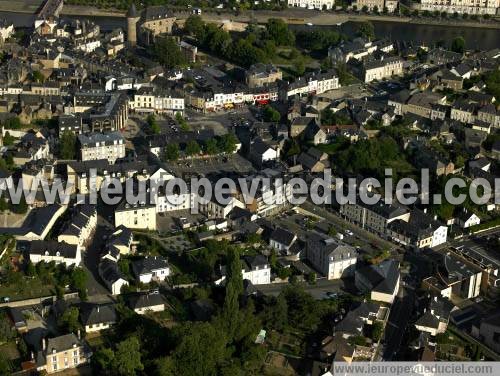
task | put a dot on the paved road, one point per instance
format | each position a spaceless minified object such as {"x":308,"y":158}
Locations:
{"x":91,"y":257}
{"x":396,"y":325}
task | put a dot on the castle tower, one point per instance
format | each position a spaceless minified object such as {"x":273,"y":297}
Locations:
{"x":132,"y":18}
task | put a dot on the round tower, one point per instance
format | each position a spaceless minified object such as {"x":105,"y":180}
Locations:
{"x":132,"y":18}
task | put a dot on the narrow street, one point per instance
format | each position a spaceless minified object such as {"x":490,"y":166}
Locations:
{"x":398,"y":321}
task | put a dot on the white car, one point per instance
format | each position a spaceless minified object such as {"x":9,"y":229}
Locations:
{"x":349,"y":232}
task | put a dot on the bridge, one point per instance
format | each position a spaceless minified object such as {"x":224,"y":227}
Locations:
{"x":50,"y":8}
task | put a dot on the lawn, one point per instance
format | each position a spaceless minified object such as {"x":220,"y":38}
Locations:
{"x":25,"y":288}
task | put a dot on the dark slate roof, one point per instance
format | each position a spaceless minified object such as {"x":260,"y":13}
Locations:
{"x":149,"y":264}
{"x":109,"y":272}
{"x":98,"y":314}
{"x":62,"y":343}
{"x":382,"y":277}
{"x":52,"y":247}
{"x":252,"y":262}
{"x":283,"y":236}
{"x":145,"y":300}
{"x":132,"y":11}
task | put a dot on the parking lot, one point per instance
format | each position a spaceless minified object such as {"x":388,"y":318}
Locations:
{"x":217,"y":164}
{"x":169,"y":222}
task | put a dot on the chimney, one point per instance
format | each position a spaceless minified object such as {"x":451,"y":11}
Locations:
{"x":78,"y":334}
{"x":44,"y":344}
{"x":435,"y":217}
{"x":425,"y":210}
{"x":97,"y":309}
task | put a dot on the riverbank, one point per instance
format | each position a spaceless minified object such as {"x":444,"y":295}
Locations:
{"x":80,"y":10}
{"x":292,"y":15}
{"x":22,"y":6}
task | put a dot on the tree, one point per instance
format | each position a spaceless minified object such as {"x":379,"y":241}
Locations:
{"x":12,"y":123}
{"x":300,"y":67}
{"x":168,"y":52}
{"x":172,"y":152}
{"x":195,"y":26}
{"x":5,"y":367}
{"x":278,"y":31}
{"x":377,"y":331}
{"x":127,"y":357}
{"x":234,"y":288}
{"x":458,"y":45}
{"x":271,"y":115}
{"x":202,"y":349}
{"x":182,"y":121}
{"x":227,"y":143}
{"x":21,"y":207}
{"x":366,"y":30}
{"x":38,"y":77}
{"x":67,"y":145}
{"x":79,"y":282}
{"x":30,"y":269}
{"x":153,"y":124}
{"x":68,"y":321}
{"x":7,"y":333}
{"x":211,"y":147}
{"x":4,"y":205}
{"x":103,"y":359}
{"x":311,"y":278}
{"x":192,"y":148}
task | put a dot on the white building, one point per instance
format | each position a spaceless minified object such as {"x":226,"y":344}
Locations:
{"x":214,"y":209}
{"x":466,"y":220}
{"x":313,"y":83}
{"x":52,"y":251}
{"x":148,"y":99}
{"x":6,"y":30}
{"x":96,"y":146}
{"x":331,"y":257}
{"x":384,"y":68}
{"x":282,"y":240}
{"x":312,"y":4}
{"x":461,"y":6}
{"x":256,"y":269}
{"x":136,"y":216}
{"x":151,"y":268}
{"x":111,"y":276}
{"x":80,"y":227}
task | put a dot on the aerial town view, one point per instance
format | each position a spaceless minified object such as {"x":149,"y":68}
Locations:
{"x":236,"y":187}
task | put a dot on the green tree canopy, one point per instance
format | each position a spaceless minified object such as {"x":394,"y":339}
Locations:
{"x":192,"y":148}
{"x":172,"y":152}
{"x":458,"y":45}
{"x":366,"y":30}
{"x":68,"y":321}
{"x":211,"y":147}
{"x":168,"y":52}
{"x":67,"y":145}
{"x":278,"y":31}
{"x":270,"y":114}
{"x":79,"y":282}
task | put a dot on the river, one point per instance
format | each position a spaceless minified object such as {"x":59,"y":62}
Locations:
{"x":476,"y":38}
